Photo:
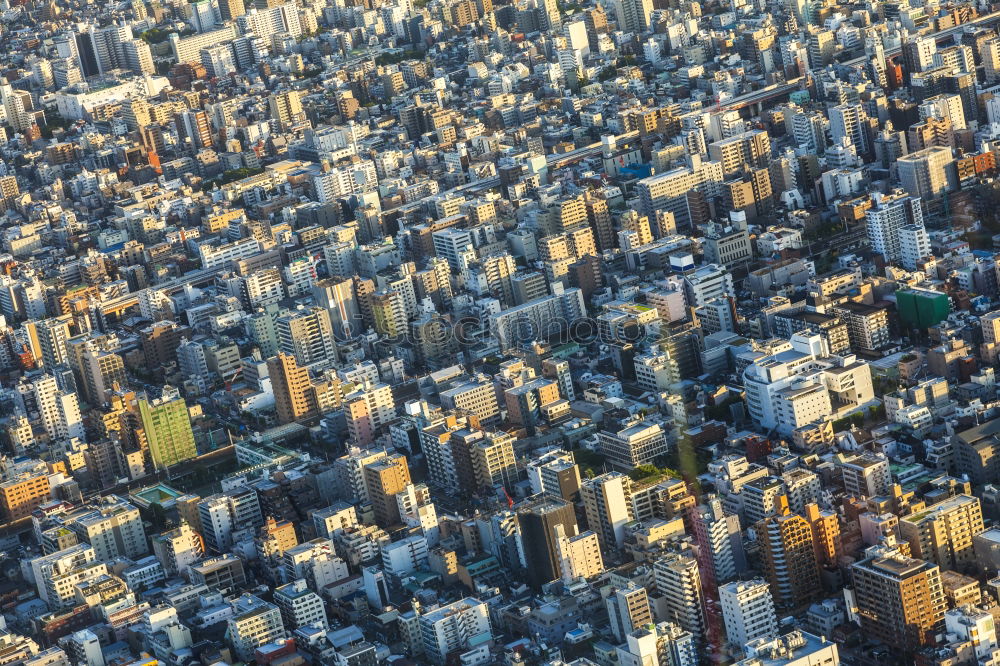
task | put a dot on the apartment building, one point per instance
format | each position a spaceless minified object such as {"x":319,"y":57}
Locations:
{"x":943,"y":532}
{"x":458,"y":626}
{"x":385,"y":478}
{"x":579,"y":556}
{"x":748,"y":611}
{"x":544,"y":318}
{"x":555,"y":473}
{"x":790,"y":559}
{"x":178,"y":549}
{"x":112,"y":526}
{"x":867,"y":325}
{"x":225,"y":513}
{"x":22,"y":491}
{"x":300,"y":606}
{"x":679,"y":588}
{"x":608,"y":507}
{"x":476,"y":396}
{"x":866,"y":476}
{"x":368,"y":411}
{"x":254,"y":623}
{"x":900,"y":599}
{"x":628,"y":609}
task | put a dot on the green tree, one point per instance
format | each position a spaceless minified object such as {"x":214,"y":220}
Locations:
{"x":643,"y":472}
{"x":154,"y":36}
{"x":591,"y":463}
{"x":239,"y":174}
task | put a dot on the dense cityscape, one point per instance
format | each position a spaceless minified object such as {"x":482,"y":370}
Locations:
{"x":543,"y":333}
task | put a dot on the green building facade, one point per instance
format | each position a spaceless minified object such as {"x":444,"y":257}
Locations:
{"x":168,"y":429}
{"x":922,"y":308}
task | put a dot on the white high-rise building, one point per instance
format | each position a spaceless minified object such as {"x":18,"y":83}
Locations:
{"x":652,"y":51}
{"x":944,"y":106}
{"x":349,"y":471}
{"x":579,"y":556}
{"x":204,"y":15}
{"x":993,"y":110}
{"x":82,"y":647}
{"x":59,"y":410}
{"x":404,"y":556}
{"x":922,"y":50}
{"x":219,"y":60}
{"x":554,"y":473}
{"x":667,"y":191}
{"x":358,"y":177}
{"x":606,"y":503}
{"x":886,"y":217}
{"x":798,"y":385}
{"x":178,"y":549}
{"x":138,"y":57}
{"x":633,"y":15}
{"x":254,"y":623}
{"x":300,"y":606}
{"x":808,"y":128}
{"x":748,"y":611}
{"x":417,"y":511}
{"x":376,"y":586}
{"x":56,"y":574}
{"x":975,"y":625}
{"x":186,"y":49}
{"x":300,"y":276}
{"x":929,"y":173}
{"x":664,"y":644}
{"x":112,"y":526}
{"x":52,"y":335}
{"x":707,"y":283}
{"x":678,"y":581}
{"x":848,"y":120}
{"x":454,"y":628}
{"x":990,"y":52}
{"x":275,"y":20}
{"x":225,"y":513}
{"x":541,"y":318}
{"x":914,"y":245}
{"x":576,"y":34}
{"x":316,"y":562}
{"x":720,"y":543}
{"x":191,"y":360}
{"x":571,"y":62}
